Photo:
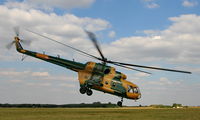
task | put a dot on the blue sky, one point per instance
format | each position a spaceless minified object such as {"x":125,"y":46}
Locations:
{"x":134,"y":15}
{"x":162,"y":33}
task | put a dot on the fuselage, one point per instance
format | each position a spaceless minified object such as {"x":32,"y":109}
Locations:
{"x":108,"y":80}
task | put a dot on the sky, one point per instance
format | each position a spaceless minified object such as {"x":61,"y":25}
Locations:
{"x":162,"y":33}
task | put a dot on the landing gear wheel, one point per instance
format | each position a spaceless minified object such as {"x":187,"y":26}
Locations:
{"x":83,"y":90}
{"x":119,"y":103}
{"x":89,"y":92}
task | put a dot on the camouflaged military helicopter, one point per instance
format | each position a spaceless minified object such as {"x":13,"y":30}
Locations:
{"x":91,"y":75}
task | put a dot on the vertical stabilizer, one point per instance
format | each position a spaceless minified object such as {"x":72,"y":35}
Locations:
{"x":17,"y":44}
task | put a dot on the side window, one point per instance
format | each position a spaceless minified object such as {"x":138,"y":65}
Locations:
{"x":106,"y":71}
{"x":113,"y":84}
{"x":106,"y":82}
{"x":130,"y":89}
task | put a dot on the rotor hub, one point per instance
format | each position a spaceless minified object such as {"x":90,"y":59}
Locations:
{"x":17,"y":39}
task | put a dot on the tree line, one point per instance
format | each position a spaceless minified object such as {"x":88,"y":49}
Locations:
{"x":81,"y":105}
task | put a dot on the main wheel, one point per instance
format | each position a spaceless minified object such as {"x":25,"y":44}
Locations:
{"x":119,"y":103}
{"x":89,"y":92}
{"x":83,"y":90}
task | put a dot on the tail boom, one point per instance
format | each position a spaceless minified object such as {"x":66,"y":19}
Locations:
{"x":72,"y":65}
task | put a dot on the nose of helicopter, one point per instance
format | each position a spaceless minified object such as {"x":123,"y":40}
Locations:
{"x":139,"y":96}
{"x":133,"y":93}
{"x":134,"y":96}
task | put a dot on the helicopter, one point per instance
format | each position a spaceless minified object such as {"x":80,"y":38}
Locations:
{"x":92,"y":75}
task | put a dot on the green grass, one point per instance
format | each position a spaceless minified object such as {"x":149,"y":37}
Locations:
{"x":98,"y":114}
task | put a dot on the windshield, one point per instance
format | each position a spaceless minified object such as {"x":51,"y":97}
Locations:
{"x":133,"y":89}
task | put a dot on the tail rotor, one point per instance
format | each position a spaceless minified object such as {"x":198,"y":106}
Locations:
{"x":17,"y":39}
{"x":9,"y":46}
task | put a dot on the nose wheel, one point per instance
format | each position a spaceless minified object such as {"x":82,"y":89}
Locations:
{"x":119,"y":103}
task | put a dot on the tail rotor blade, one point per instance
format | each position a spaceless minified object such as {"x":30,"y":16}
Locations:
{"x":16,"y":30}
{"x":10,"y":45}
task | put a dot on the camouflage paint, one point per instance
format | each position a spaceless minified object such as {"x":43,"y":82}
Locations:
{"x":91,"y":73}
{"x":114,"y":82}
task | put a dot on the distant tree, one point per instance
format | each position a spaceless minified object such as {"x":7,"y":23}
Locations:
{"x":97,"y":103}
{"x":175,"y":105}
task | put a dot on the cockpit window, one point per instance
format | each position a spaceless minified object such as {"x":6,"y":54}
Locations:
{"x":133,"y":89}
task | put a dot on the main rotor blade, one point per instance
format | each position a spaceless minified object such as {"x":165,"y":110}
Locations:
{"x":10,"y":45}
{"x":16,"y":30}
{"x":149,"y":67}
{"x":95,"y":42}
{"x":131,"y":68}
{"x":65,"y":45}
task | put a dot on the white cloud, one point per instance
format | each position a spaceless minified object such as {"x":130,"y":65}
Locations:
{"x":112,"y":34}
{"x":30,"y":84}
{"x":16,"y":81}
{"x":60,"y":78}
{"x":178,"y":43}
{"x":140,"y":74}
{"x":67,"y":85}
{"x":21,"y":5}
{"x":31,"y":75}
{"x":40,"y":74}
{"x":50,"y":4}
{"x":66,"y":4}
{"x":151,"y":32}
{"x":148,"y":0}
{"x":165,"y":82}
{"x":189,"y":3}
{"x":156,"y":37}
{"x":12,"y":73}
{"x":41,"y":84}
{"x":151,"y":4}
{"x":23,"y":74}
{"x":44,"y":84}
{"x":66,"y":28}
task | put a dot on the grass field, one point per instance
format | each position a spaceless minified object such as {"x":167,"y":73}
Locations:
{"x":98,"y":114}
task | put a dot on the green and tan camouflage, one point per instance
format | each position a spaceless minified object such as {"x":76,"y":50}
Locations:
{"x":91,"y":75}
